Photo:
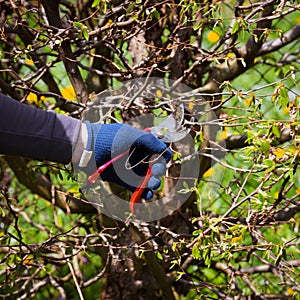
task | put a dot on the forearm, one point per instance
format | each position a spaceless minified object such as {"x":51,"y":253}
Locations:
{"x":37,"y":134}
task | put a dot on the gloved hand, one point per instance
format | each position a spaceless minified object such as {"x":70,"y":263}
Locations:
{"x":109,"y":140}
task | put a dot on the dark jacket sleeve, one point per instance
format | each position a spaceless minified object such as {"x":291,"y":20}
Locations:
{"x":34,"y":133}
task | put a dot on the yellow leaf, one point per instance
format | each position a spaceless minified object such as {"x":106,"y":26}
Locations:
{"x":248,"y":101}
{"x":213,"y":36}
{"x":236,"y":239}
{"x":223,"y":134}
{"x":230,"y":55}
{"x":110,"y":21}
{"x":209,"y":172}
{"x":159,"y":93}
{"x":290,"y":291}
{"x":32,"y":98}
{"x":29,"y":62}
{"x":190,"y":105}
{"x":279,"y":152}
{"x":68,"y":93}
{"x":286,"y":110}
{"x":298,"y":191}
{"x":28,"y":259}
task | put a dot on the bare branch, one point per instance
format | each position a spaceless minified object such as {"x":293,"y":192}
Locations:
{"x":278,"y":43}
{"x":41,"y":186}
{"x":65,"y":52}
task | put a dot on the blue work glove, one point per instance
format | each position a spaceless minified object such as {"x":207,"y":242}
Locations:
{"x":110,"y":140}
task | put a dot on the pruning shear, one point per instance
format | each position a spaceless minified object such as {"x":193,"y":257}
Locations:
{"x":170,"y":130}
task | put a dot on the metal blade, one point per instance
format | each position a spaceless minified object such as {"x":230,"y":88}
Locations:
{"x":171,"y":130}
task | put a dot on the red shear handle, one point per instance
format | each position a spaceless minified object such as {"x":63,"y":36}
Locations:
{"x":139,"y":190}
{"x":93,"y":178}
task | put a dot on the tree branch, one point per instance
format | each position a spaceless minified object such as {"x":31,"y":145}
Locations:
{"x":154,"y":265}
{"x":250,"y":50}
{"x":239,"y":140}
{"x":286,"y":214}
{"x":278,"y":43}
{"x":40,"y":185}
{"x":28,"y":38}
{"x":230,"y":69}
{"x":65,"y":52}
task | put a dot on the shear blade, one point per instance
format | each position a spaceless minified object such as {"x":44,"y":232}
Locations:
{"x":171,"y":129}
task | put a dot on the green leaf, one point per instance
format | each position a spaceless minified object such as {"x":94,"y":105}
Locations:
{"x":250,"y":135}
{"x":235,"y":27}
{"x":60,"y":176}
{"x":85,"y":33}
{"x":269,"y":163}
{"x":159,"y":255}
{"x":177,"y":156}
{"x":276,"y":131}
{"x":155,"y":14}
{"x":179,"y":275}
{"x":235,"y":227}
{"x":207,"y":256}
{"x":196,"y":232}
{"x":278,"y":258}
{"x":196,"y":252}
{"x":2,"y":214}
{"x":174,"y":246}
{"x":78,"y":25}
{"x":130,"y":7}
{"x":283,"y":96}
{"x":95,"y":3}
{"x":265,"y":146}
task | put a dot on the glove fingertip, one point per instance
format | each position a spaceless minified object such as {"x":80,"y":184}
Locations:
{"x":148,"y":194}
{"x":158,"y":169}
{"x":154,"y":183}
